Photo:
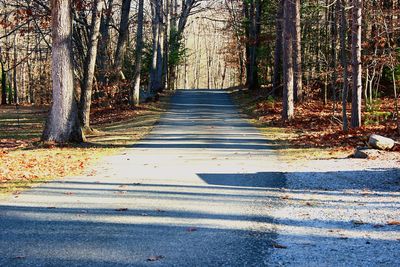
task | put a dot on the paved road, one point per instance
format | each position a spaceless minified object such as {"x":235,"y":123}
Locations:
{"x":198,"y":191}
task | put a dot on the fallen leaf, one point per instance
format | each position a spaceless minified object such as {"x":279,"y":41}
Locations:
{"x":357,"y":222}
{"x":393,"y":223}
{"x":155,"y":258}
{"x":276,"y":245}
{"x":121,"y":209}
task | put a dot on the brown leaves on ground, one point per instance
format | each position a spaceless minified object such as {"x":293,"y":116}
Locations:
{"x":316,"y":125}
{"x":24,"y":161}
{"x":25,"y":166}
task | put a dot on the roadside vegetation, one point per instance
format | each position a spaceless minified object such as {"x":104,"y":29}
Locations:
{"x":24,"y":161}
{"x":315,"y":132}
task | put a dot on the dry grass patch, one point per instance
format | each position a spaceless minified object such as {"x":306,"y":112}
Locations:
{"x":25,"y":162}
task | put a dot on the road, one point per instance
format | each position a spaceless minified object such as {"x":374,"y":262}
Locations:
{"x":198,"y":191}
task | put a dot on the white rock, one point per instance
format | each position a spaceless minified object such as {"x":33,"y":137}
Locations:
{"x":381,"y":142}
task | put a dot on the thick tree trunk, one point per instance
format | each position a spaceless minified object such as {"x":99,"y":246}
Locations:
{"x":123,"y":34}
{"x":135,"y":95}
{"x":63,"y":122}
{"x":90,"y":64}
{"x":357,"y":68}
{"x":288,"y":73}
{"x":297,"y":62}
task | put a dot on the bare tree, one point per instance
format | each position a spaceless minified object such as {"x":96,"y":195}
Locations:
{"x":90,"y":64}
{"x":288,"y":73}
{"x":135,"y":95}
{"x":357,"y":68}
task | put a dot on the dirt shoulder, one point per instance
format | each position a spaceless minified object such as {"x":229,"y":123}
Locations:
{"x":25,"y":162}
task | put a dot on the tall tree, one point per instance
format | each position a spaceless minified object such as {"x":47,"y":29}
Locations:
{"x":298,"y":74}
{"x":135,"y":94}
{"x":156,"y":25}
{"x":288,"y":72}
{"x":276,"y":82}
{"x":123,"y":34}
{"x":357,"y":68}
{"x":63,"y":123}
{"x":90,"y":64}
{"x":343,"y":58}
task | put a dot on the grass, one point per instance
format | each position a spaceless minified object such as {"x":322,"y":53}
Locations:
{"x":283,"y":137}
{"x":25,"y":162}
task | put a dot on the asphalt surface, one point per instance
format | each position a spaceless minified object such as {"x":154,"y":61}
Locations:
{"x":195,"y":192}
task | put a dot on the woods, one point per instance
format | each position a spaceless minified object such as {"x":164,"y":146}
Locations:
{"x":124,"y":52}
{"x":322,"y":51}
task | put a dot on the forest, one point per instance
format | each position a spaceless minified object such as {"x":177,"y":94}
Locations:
{"x":339,"y":52}
{"x":343,"y":54}
{"x":199,"y":132}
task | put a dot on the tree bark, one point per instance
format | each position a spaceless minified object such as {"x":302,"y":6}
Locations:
{"x":155,"y":10}
{"x":138,"y":60}
{"x":103,"y":55}
{"x":123,"y":34}
{"x":343,"y":59}
{"x":90,"y":64}
{"x":276,"y":83}
{"x":297,"y":62}
{"x":357,"y":68}
{"x":288,"y":73}
{"x":63,"y":122}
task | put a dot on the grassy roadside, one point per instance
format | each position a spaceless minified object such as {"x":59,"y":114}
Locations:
{"x":25,"y":162}
{"x":283,"y":137}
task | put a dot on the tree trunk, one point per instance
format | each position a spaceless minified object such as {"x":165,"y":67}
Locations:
{"x":123,"y":34}
{"x":357,"y":68}
{"x":288,"y":73}
{"x":103,"y":55}
{"x":155,"y":10}
{"x":138,"y":60}
{"x":278,"y":49}
{"x":90,"y":64}
{"x":343,"y":56}
{"x":63,"y":123}
{"x":15,"y":78}
{"x":297,"y":62}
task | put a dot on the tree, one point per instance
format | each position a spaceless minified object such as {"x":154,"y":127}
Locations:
{"x":90,"y":64}
{"x":288,"y":73}
{"x":154,"y":84}
{"x":276,"y":82}
{"x":135,"y":94}
{"x":343,"y":58}
{"x":63,"y":123}
{"x":298,"y":74}
{"x":123,"y":34}
{"x":357,"y":68}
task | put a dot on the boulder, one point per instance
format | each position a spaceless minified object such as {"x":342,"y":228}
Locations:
{"x":381,"y":142}
{"x":367,"y":153}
